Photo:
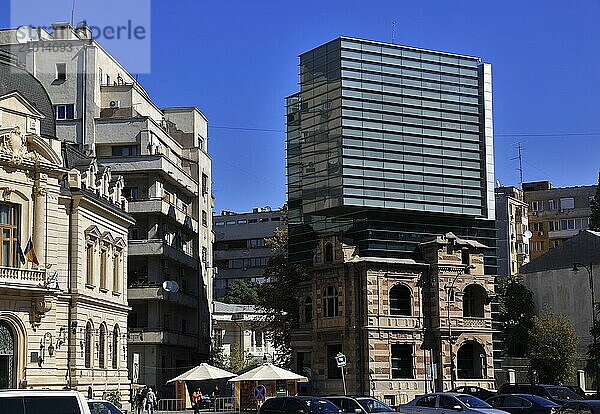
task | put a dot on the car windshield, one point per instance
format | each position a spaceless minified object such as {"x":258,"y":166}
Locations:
{"x":472,"y":402}
{"x":321,"y":406}
{"x":374,"y":406}
{"x":562,"y":393}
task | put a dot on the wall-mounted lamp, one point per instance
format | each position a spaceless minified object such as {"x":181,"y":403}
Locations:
{"x":43,"y":348}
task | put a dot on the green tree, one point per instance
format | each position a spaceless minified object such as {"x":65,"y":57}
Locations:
{"x":217,"y":357}
{"x":595,"y":205}
{"x":241,"y":292}
{"x":279,"y":297}
{"x":553,"y":348}
{"x":517,"y":310}
{"x":238,"y":361}
{"x":593,"y":351}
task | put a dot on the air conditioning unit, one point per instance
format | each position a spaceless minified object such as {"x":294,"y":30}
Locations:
{"x":115,"y":104}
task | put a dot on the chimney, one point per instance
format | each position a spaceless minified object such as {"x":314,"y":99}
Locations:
{"x":62,"y":31}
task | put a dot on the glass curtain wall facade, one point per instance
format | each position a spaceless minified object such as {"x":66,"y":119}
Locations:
{"x":388,"y":145}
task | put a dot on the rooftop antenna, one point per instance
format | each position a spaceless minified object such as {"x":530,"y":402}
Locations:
{"x":520,"y":158}
{"x":73,"y":14}
{"x":393,"y":31}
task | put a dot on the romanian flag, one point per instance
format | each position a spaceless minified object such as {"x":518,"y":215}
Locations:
{"x":20,"y":252}
{"x":30,"y":253}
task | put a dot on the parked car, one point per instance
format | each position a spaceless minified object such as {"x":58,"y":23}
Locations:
{"x":478,"y":392}
{"x":42,"y":402}
{"x":103,"y":407}
{"x":523,"y":404}
{"x":447,"y":402}
{"x":557,"y":393}
{"x":581,"y":407}
{"x":360,"y":405}
{"x":578,"y":390}
{"x":298,"y":405}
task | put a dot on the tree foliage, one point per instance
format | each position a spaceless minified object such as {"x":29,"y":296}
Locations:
{"x":279,"y":297}
{"x":595,"y":205}
{"x":242,"y":293}
{"x":517,"y":310}
{"x":552,"y":348}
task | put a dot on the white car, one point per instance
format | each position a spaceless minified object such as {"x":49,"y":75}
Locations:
{"x":448,"y":403}
{"x":42,"y":402}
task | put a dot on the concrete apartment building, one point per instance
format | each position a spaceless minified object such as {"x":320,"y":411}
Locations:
{"x":392,"y":210}
{"x":512,"y":226}
{"x":556,"y":214}
{"x":240,"y":252}
{"x":63,"y":315}
{"x":162,"y":155}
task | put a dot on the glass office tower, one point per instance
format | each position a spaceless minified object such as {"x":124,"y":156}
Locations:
{"x":388,"y":145}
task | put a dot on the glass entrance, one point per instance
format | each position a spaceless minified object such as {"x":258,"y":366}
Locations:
{"x":7,"y":357}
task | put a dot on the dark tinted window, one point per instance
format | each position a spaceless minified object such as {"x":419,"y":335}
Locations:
{"x":472,"y":402}
{"x":51,"y":405}
{"x":272,"y":404}
{"x":496,"y":401}
{"x":292,"y":406}
{"x":544,"y":402}
{"x":427,"y":401}
{"x":320,"y":405}
{"x":103,"y":408}
{"x":563,"y":393}
{"x":513,"y":401}
{"x":447,"y":402}
{"x":371,"y":405}
{"x":11,"y":405}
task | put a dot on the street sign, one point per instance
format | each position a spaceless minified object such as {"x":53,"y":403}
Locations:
{"x":340,"y":359}
{"x":260,"y":392}
{"x":135,"y":375}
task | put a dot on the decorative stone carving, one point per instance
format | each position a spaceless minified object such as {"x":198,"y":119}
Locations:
{"x":14,"y":144}
{"x":39,"y":307}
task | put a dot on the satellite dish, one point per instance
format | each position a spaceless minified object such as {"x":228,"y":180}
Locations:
{"x":527,"y":234}
{"x":170,"y":286}
{"x":27,"y":34}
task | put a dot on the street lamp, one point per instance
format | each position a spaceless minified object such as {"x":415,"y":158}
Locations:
{"x":591,"y":276}
{"x":450,"y":290}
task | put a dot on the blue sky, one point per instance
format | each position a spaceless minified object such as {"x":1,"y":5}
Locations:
{"x":237,"y":60}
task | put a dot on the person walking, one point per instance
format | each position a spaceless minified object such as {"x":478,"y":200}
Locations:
{"x":197,"y":400}
{"x":150,"y":401}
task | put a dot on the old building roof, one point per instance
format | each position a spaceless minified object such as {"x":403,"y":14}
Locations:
{"x":448,"y":237}
{"x":584,"y":247}
{"x":14,"y":78}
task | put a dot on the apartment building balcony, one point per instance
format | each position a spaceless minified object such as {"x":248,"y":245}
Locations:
{"x":158,"y":247}
{"x":158,"y":205}
{"x":13,"y":278}
{"x":157,"y":162}
{"x":154,"y":291}
{"x":161,"y":336}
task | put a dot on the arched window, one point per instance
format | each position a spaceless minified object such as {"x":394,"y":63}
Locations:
{"x":330,"y":302}
{"x":115,"y":347}
{"x":102,"y":347}
{"x":474,"y":301}
{"x":7,"y":357}
{"x":308,"y":311}
{"x":471,"y":362}
{"x":328,"y":252}
{"x":89,"y":336}
{"x":400,"y":300}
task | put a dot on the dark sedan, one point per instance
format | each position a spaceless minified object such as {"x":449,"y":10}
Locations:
{"x":581,"y":407}
{"x":523,"y":404}
{"x":478,"y":392}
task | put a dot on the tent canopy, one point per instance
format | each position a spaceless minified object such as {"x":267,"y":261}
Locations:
{"x":203,"y":372}
{"x":268,"y":372}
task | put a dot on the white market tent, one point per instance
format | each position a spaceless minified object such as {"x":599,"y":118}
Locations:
{"x":269,"y":372}
{"x":203,"y":372}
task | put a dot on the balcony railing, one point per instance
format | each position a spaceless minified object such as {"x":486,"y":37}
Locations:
{"x":22,"y":277}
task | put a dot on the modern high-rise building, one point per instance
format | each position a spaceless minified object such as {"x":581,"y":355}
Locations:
{"x":391,"y":207}
{"x":390,"y":144}
{"x":101,"y":109}
{"x":556,"y":213}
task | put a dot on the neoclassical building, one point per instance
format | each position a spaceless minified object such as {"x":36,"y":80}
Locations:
{"x":406,"y":326}
{"x":63,"y":314}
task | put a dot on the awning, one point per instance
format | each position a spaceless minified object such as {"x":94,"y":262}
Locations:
{"x":203,"y":372}
{"x":269,"y":372}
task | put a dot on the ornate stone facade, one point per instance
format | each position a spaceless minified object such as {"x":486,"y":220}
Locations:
{"x":63,"y":314}
{"x":390,"y":318}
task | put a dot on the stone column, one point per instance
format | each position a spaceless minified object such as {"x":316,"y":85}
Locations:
{"x":40,"y":191}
